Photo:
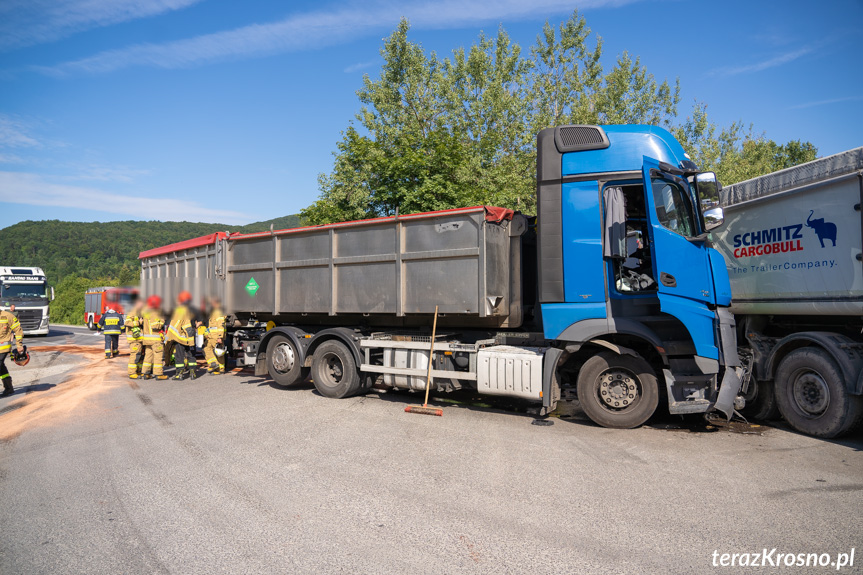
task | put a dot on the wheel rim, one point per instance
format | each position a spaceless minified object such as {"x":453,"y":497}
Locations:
{"x":810,"y":393}
{"x":283,"y":358}
{"x":618,"y":389}
{"x":333,"y":369}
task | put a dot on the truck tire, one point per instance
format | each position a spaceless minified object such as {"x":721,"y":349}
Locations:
{"x":760,"y":401}
{"x":334,"y":370}
{"x":283,"y":363}
{"x":617,"y":390}
{"x":90,"y":325}
{"x":812,"y":396}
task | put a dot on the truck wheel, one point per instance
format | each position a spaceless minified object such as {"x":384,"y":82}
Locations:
{"x":812,"y":396}
{"x":334,"y":370}
{"x":283,"y":363}
{"x":617,"y":390}
{"x":760,"y":401}
{"x":90,"y":325}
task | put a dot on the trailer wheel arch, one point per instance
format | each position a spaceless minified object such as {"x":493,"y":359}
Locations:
{"x":293,"y":334}
{"x":851,"y":368}
{"x":345,"y":335}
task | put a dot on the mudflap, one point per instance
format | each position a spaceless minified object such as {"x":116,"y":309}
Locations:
{"x":733,"y":377}
{"x":728,"y":390}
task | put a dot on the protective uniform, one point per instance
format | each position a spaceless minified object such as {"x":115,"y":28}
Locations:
{"x":151,"y":338}
{"x":10,"y":328}
{"x":134,"y":338}
{"x":181,"y":331}
{"x":111,"y":325}
{"x":215,"y":335}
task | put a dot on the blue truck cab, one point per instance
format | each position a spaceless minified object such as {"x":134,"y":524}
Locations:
{"x":629,"y":291}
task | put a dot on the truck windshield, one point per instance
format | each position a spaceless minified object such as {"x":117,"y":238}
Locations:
{"x":674,"y":207}
{"x":23,"y":290}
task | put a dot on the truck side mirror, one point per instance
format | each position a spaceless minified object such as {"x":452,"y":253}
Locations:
{"x":708,"y":187}
{"x":713,"y":218}
{"x":52,"y":293}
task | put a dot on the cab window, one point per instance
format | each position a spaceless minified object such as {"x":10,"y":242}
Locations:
{"x":673,"y":210}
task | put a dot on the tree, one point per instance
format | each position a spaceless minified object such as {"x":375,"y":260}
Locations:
{"x":734,"y":154}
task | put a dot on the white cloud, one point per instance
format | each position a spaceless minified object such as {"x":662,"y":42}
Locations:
{"x":35,"y":190}
{"x":315,"y":30}
{"x":29,"y":22}
{"x":826,"y":102}
{"x":764,"y":65}
{"x":14,"y":133}
{"x":97,"y":173}
{"x":360,"y":66}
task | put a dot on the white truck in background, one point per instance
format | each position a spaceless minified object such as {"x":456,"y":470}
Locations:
{"x":793,"y":242}
{"x":27,"y":289}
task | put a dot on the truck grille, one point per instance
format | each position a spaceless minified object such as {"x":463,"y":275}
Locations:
{"x":29,"y":318}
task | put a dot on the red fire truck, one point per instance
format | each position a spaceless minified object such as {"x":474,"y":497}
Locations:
{"x":98,"y":299}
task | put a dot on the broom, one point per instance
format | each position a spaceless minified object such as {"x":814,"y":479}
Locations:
{"x":424,"y":408}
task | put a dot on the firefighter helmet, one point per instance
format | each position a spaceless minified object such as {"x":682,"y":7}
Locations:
{"x":219,"y":350}
{"x":154,"y":301}
{"x":21,"y":358}
{"x":184,"y":297}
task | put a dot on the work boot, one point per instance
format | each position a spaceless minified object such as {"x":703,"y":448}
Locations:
{"x":161,"y":376}
{"x":134,"y":376}
{"x":181,"y":375}
{"x":107,"y":355}
{"x":146,"y":376}
{"x":115,"y":353}
{"x":192,"y":374}
{"x":7,"y":387}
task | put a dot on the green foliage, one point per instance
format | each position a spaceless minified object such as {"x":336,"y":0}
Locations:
{"x":68,"y":306}
{"x":734,"y":154}
{"x":442,"y":133}
{"x":81,"y":255}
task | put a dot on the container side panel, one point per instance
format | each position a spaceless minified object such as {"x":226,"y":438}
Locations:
{"x":457,"y":231}
{"x":304,"y":290}
{"x":299,"y":247}
{"x":366,"y":288}
{"x":449,"y":283}
{"x":254,"y":251}
{"x":366,"y":241}
{"x":252,"y":291}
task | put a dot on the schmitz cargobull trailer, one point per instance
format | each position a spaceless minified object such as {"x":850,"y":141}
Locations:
{"x":610,"y":294}
{"x":792,"y":240}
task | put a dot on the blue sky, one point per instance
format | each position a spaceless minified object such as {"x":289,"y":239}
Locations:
{"x":225,"y":111}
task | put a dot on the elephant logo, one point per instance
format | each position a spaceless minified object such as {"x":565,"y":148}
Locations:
{"x":824,"y":230}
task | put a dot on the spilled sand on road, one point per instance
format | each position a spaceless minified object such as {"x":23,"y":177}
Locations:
{"x":97,"y":375}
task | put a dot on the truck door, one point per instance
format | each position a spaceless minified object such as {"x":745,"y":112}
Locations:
{"x":683,"y":275}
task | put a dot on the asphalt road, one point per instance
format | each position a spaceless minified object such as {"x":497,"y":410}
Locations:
{"x":228,"y":474}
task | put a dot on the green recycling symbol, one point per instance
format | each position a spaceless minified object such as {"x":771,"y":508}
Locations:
{"x":252,"y":287}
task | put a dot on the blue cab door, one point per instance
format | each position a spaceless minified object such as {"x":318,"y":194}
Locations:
{"x":683,"y":273}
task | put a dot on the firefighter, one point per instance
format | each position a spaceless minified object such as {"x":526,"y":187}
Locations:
{"x":111,"y":325}
{"x":151,"y":338}
{"x":10,"y":328}
{"x":215,"y":337}
{"x":135,"y":340}
{"x":181,"y":331}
